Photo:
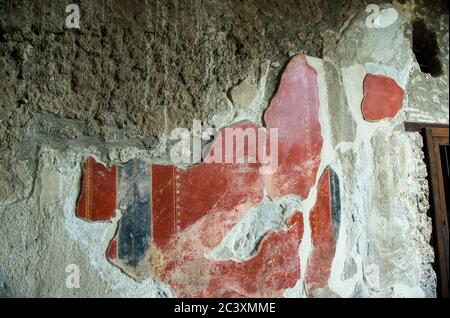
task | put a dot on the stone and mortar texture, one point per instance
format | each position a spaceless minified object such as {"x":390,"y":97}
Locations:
{"x":134,"y":70}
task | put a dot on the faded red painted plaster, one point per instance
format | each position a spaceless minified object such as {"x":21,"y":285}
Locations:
{"x":183,"y":266}
{"x":181,"y":197}
{"x":319,"y":265}
{"x":193,"y":209}
{"x":295,"y":112}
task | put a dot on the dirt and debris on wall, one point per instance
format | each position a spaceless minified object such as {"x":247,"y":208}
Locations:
{"x":116,"y":87}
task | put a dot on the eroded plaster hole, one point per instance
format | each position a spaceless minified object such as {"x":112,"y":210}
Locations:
{"x":426,"y":49}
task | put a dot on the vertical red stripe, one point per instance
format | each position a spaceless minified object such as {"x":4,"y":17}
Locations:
{"x":112,"y":250}
{"x":97,"y":200}
{"x":163,"y":204}
{"x":322,"y":236}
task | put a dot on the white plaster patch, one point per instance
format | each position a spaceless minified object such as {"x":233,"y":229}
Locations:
{"x":386,"y":18}
{"x":242,"y":242}
{"x":382,"y":229}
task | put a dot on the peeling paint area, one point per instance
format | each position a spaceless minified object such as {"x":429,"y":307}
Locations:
{"x":225,"y":229}
{"x":330,"y":221}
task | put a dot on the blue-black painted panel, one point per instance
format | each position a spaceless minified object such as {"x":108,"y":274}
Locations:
{"x":134,"y":227}
{"x":335,"y":204}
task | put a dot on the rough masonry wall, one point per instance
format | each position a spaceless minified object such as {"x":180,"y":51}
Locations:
{"x":114,"y":89}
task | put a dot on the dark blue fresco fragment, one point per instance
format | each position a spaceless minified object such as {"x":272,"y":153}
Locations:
{"x":134,"y":227}
{"x":335,"y":204}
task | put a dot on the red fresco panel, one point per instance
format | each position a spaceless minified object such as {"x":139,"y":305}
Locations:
{"x":295,"y":112}
{"x":97,"y":201}
{"x":319,"y":265}
{"x":183,"y":266}
{"x":163,"y":203}
{"x":193,"y":209}
{"x":212,"y":190}
{"x":383,"y":98}
{"x":273,"y":269}
{"x":182,"y":196}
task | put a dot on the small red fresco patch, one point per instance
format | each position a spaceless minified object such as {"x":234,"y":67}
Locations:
{"x":383,"y":98}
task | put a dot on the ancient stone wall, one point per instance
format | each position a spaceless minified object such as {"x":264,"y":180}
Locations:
{"x":87,"y":178}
